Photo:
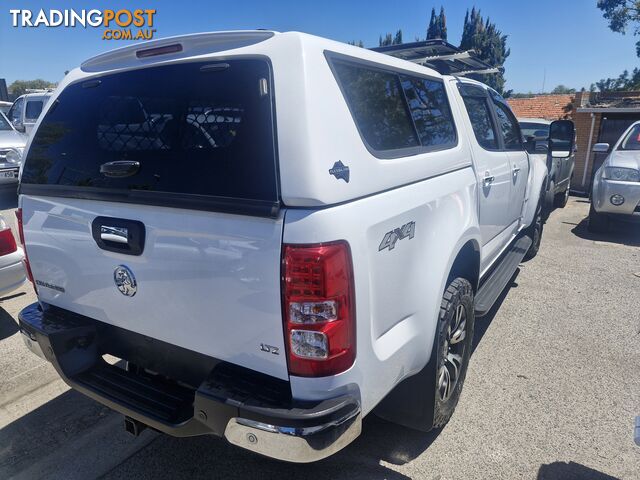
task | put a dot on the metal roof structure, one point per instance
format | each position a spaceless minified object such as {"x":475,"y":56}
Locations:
{"x":441,"y":56}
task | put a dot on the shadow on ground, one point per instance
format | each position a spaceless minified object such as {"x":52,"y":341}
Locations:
{"x":570,"y":471}
{"x":75,"y":431}
{"x":620,"y":232}
{"x":8,"y":325}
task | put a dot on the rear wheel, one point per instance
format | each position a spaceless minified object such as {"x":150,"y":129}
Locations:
{"x":534,"y":231}
{"x":598,"y":222}
{"x":549,"y":201}
{"x":453,"y":343}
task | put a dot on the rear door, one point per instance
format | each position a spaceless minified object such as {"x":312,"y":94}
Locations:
{"x":150,"y":202}
{"x":492,"y":163}
{"x":509,"y":130}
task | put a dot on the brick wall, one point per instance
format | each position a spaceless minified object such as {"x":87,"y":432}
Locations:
{"x":551,"y":107}
{"x":583,"y":127}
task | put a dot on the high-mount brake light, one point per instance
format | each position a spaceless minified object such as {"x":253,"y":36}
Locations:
{"x":150,"y":52}
{"x":27,"y":266}
{"x":319,"y":308}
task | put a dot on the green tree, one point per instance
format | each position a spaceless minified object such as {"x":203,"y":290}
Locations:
{"x":20,"y":87}
{"x":390,"y":39}
{"x":621,"y":14}
{"x":489,"y":44}
{"x":625,"y":82}
{"x":359,"y":43}
{"x":437,"y":25}
{"x":563,"y":89}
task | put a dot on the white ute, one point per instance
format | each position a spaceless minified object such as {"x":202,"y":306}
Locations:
{"x":276,"y":233}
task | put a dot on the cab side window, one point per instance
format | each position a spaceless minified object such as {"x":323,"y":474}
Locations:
{"x":477,"y":104}
{"x":508,"y":126}
{"x":33,"y":110}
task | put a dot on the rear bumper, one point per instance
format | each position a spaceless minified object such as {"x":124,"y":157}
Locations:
{"x":249,"y":409}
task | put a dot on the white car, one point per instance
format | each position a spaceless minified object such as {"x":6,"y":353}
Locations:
{"x":26,"y":110}
{"x":12,"y":267}
{"x":320,"y":254}
{"x":12,"y":145}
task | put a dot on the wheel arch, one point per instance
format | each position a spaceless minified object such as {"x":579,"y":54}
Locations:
{"x":466,"y":263}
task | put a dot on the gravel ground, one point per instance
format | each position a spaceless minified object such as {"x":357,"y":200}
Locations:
{"x":551,"y":393}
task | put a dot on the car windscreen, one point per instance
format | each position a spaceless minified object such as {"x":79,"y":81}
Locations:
{"x":538,"y":130}
{"x":632,"y":140}
{"x":194,"y":129}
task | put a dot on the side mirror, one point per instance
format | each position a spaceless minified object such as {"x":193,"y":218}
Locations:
{"x":19,"y":127}
{"x":562,"y":136}
{"x":601,"y":147}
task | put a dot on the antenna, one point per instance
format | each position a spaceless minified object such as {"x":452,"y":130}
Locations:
{"x":544,"y":79}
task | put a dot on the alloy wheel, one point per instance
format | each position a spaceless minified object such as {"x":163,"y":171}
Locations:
{"x":453,"y":354}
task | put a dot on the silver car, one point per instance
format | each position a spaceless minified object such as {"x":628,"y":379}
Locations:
{"x":616,"y":184}
{"x":12,"y":145}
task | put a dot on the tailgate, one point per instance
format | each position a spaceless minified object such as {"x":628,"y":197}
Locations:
{"x":208,"y":282}
{"x":150,"y":201}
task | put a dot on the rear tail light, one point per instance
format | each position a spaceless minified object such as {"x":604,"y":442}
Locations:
{"x":7,"y":242}
{"x":319,"y":308}
{"x":21,"y":233}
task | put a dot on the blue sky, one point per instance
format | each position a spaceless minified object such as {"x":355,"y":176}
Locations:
{"x":568,"y":39}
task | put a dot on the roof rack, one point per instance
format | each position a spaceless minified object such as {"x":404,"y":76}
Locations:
{"x":441,"y":56}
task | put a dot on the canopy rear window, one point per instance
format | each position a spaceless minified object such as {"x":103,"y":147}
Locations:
{"x":197,"y":130}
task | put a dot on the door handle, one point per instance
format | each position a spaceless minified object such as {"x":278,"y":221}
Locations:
{"x":516,"y":170}
{"x":488,"y":179}
{"x":119,"y":168}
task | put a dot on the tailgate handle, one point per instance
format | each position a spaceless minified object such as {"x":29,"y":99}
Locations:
{"x":119,"y":235}
{"x":109,"y":233}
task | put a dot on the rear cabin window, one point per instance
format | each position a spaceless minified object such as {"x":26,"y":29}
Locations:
{"x":396,"y":114}
{"x":196,"y":129}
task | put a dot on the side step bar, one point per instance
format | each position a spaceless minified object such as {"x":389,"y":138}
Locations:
{"x":498,"y":279}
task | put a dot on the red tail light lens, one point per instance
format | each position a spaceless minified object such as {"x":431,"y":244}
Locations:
{"x":21,"y":233}
{"x":319,"y":308}
{"x":7,"y":242}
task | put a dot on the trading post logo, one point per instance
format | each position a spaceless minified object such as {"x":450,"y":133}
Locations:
{"x":122,"y":24}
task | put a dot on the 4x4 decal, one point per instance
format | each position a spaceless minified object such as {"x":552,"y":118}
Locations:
{"x":390,"y":238}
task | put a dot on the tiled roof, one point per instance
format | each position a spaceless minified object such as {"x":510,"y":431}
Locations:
{"x":550,"y":107}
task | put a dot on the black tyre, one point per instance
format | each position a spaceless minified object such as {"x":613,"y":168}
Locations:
{"x":534,"y":231}
{"x":453,"y":344}
{"x":561,"y":199}
{"x":598,"y":222}
{"x":549,"y":201}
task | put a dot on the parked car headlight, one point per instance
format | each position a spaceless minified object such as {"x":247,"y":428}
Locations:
{"x":14,"y":155}
{"x":622,"y":174}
